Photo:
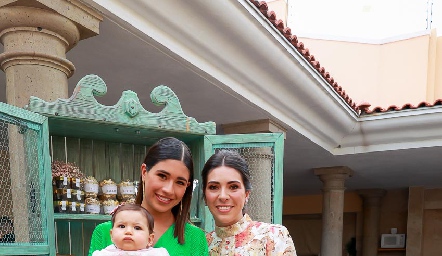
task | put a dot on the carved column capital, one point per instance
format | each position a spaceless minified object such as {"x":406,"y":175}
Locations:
{"x":36,"y":35}
{"x":372,"y":197}
{"x":333,"y":177}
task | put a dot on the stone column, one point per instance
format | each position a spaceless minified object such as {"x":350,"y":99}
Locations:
{"x":333,"y":179}
{"x":36,"y":36}
{"x":415,"y":225}
{"x":372,"y":210}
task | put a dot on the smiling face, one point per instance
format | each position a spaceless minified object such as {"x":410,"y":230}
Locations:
{"x":225,"y":195}
{"x":130,"y":231}
{"x":164,"y":185}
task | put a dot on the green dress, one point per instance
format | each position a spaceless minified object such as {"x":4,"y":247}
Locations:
{"x":194,"y":237}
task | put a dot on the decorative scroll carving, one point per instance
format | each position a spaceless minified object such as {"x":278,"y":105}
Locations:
{"x":82,"y":105}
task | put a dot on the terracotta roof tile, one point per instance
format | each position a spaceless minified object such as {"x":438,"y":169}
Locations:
{"x":287,"y":33}
{"x":362,"y":108}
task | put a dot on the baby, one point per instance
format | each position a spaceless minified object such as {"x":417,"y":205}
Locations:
{"x":131,"y":233}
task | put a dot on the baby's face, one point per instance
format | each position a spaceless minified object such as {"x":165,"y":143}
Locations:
{"x":130,"y":231}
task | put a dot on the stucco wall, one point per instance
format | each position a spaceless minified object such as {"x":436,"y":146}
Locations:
{"x":387,"y":74}
{"x":312,"y":204}
{"x":438,"y":68}
{"x":394,"y":209}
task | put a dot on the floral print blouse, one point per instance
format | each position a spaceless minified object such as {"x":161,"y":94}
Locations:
{"x":250,"y":238}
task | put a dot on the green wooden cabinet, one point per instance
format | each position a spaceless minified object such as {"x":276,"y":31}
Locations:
{"x":25,"y":193}
{"x":111,"y":142}
{"x":264,"y":155}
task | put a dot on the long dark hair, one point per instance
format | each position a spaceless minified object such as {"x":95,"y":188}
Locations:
{"x":175,"y":149}
{"x":230,"y":159}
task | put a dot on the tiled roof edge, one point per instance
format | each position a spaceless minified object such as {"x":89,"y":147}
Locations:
{"x":362,"y":108}
{"x":287,"y":33}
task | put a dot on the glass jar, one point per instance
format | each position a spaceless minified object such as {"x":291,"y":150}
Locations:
{"x":61,"y":182}
{"x":63,"y":194}
{"x":136,"y":184}
{"x":108,"y":189}
{"x":77,"y":183}
{"x":92,"y":206}
{"x":81,"y":208}
{"x":126,"y":190}
{"x":90,"y":187}
{"x":109,"y":205}
{"x":130,"y":201}
{"x":72,"y":207}
{"x":78,"y":196}
{"x":61,"y":206}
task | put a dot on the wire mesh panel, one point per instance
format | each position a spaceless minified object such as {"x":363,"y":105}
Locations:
{"x":23,"y":205}
{"x":264,"y":154}
{"x":260,"y":162}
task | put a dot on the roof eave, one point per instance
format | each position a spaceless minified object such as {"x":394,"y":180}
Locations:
{"x":414,"y":128}
{"x":234,"y":46}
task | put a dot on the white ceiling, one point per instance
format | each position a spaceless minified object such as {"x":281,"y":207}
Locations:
{"x":127,"y":60}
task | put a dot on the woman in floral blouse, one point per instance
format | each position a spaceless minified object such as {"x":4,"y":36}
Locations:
{"x":226,"y":189}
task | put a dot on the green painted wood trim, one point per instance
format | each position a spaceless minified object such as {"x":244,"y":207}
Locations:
{"x":47,"y":182}
{"x":242,"y":138}
{"x":86,"y":217}
{"x":93,"y":217}
{"x":208,"y":223}
{"x":195,"y":220}
{"x":21,"y":113}
{"x":278,"y":179}
{"x":82,"y":105}
{"x":25,"y":250}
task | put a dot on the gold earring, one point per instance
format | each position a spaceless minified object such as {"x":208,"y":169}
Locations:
{"x":181,"y":207}
{"x":143,"y":189}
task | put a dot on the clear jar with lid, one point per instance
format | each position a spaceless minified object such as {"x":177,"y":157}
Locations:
{"x":61,"y":182}
{"x":72,"y":207}
{"x":130,"y":201}
{"x":109,"y":205}
{"x":77,"y":183}
{"x":136,"y":185}
{"x":108,"y":189}
{"x":126,"y":190}
{"x":81,"y":208}
{"x":63,"y":194}
{"x":91,"y":187}
{"x":61,"y":206}
{"x":76,"y":207}
{"x":78,"y":196}
{"x":92,"y":206}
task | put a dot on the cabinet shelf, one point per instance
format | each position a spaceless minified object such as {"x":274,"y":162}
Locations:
{"x":92,"y":217}
{"x":391,"y":250}
{"x":95,"y":217}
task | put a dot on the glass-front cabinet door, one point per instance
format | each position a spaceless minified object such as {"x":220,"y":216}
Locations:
{"x":26,"y":214}
{"x":264,"y":155}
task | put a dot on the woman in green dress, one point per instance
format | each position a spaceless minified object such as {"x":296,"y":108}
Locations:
{"x":165,"y":190}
